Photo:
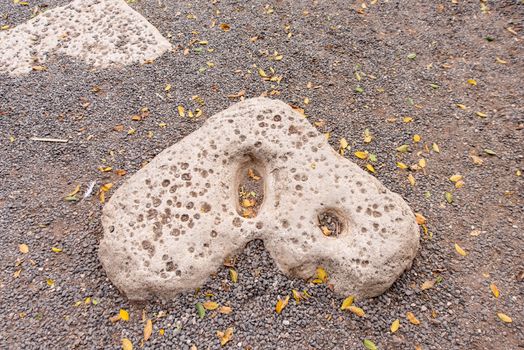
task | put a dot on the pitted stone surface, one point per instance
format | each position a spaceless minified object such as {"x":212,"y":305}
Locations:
{"x":172,"y":224}
{"x":102,"y":33}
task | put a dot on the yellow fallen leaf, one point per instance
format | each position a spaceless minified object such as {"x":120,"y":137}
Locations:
{"x":494,"y":290}
{"x":421,"y":220}
{"x":248,"y":213}
{"x":455,"y":178}
{"x":357,"y":311}
{"x":168,"y":87}
{"x":225,"y":310}
{"x":124,"y":315}
{"x":325,"y":231}
{"x":407,"y":119}
{"x":475,"y":233}
{"x":368,"y":344}
{"x":126,"y":344}
{"x":361,"y":154}
{"x":411,"y":180}
{"x":262,"y":73}
{"x":370,"y":168}
{"x":56,"y":250}
{"x":435,"y":147}
{"x":476,"y":160}
{"x":233,"y":274}
{"x":102,"y":197}
{"x":411,"y":318}
{"x":210,"y":305}
{"x":402,"y":165}
{"x":504,"y":318}
{"x":50,"y":282}
{"x":449,"y":197}
{"x":252,"y":175}
{"x":106,"y":187}
{"x":148,"y":330}
{"x":403,"y":148}
{"x":225,"y":336}
{"x":343,"y":143}
{"x":422,"y":163}
{"x":367,"y":136}
{"x":482,"y":115}
{"x":161,"y":331}
{"x":415,"y":167}
{"x":461,"y":106}
{"x":347,"y":303}
{"x":103,"y":190}
{"x":322,"y":275}
{"x":181,"y":111}
{"x":460,"y":250}
{"x":501,"y":61}
{"x":416,"y":138}
{"x":281,"y":304}
{"x":24,"y":248}
{"x":472,"y":82}
{"x":247,"y":203}
{"x":427,"y":284}
{"x":395,"y":326}
{"x":296,"y":295}
{"x":459,"y":184}
{"x":75,"y":191}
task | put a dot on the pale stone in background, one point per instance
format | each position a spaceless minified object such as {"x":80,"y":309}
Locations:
{"x":101,"y":33}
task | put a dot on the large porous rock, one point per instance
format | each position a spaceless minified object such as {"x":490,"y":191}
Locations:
{"x":100,"y":33}
{"x":257,"y":170}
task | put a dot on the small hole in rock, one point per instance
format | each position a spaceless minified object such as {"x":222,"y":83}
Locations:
{"x":250,"y":187}
{"x":330,"y":223}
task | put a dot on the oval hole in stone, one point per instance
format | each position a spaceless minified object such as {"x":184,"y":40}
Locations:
{"x":332,"y":222}
{"x":250,"y":186}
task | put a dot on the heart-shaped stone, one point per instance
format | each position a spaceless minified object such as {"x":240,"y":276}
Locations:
{"x":257,"y":170}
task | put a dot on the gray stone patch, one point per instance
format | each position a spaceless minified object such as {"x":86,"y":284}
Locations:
{"x":172,"y":224}
{"x":102,"y":33}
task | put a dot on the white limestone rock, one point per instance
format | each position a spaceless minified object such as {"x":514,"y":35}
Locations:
{"x":169,"y":226}
{"x":101,"y":33}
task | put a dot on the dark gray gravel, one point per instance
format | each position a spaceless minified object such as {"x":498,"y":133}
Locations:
{"x":329,"y":43}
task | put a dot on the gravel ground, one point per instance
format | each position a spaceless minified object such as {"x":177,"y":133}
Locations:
{"x":63,"y":300}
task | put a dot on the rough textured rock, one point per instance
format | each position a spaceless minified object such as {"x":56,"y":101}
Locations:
{"x":102,"y":33}
{"x":175,"y":221}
